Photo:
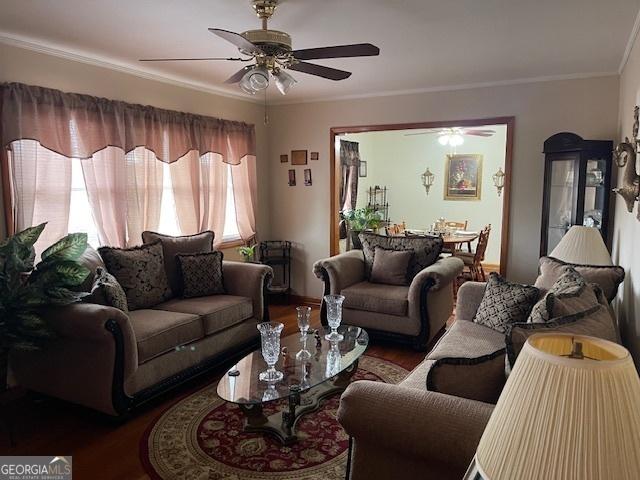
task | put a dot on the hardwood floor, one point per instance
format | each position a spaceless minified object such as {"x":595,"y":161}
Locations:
{"x":103,"y":449}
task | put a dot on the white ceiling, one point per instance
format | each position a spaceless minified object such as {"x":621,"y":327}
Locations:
{"x":425,"y":44}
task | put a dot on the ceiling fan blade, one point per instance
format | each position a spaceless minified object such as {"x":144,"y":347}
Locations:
{"x":320,"y":71}
{"x":476,"y":131}
{"x":339,"y":51}
{"x":238,"y":40}
{"x":420,"y":133}
{"x":236,"y":77}
{"x":235,"y":59}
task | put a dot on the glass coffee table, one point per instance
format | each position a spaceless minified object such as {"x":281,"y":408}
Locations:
{"x":313,"y":369}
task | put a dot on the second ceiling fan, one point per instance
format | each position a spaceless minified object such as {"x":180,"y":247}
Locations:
{"x":271,"y":53}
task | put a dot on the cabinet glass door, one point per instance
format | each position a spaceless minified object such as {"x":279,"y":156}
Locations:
{"x":594,"y":193}
{"x":561,"y":200}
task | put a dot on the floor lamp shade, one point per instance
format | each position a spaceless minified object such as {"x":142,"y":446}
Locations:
{"x":562,"y":418}
{"x":583,"y":246}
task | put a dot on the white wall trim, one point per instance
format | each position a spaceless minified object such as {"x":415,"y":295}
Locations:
{"x":632,"y":39}
{"x":28,"y":44}
{"x":447,"y":88}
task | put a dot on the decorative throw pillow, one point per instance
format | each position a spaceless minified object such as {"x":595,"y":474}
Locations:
{"x":595,"y":322}
{"x":140,"y":272}
{"x":608,"y":277}
{"x":201,"y":274}
{"x":504,"y":303}
{"x":569,"y":295}
{"x":107,"y":291}
{"x":426,"y":250}
{"x":390,"y":266}
{"x":171,"y":246}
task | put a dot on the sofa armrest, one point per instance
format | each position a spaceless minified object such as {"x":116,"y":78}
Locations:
{"x":431,"y":297}
{"x":469,"y":297}
{"x":340,"y":271}
{"x":249,"y":280}
{"x":411,"y":423}
{"x":94,"y":352}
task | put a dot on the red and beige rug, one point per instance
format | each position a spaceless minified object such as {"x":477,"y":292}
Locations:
{"x":201,"y":438}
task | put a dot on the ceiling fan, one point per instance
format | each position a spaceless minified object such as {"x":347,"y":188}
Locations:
{"x":270,"y":52}
{"x":454,"y":136}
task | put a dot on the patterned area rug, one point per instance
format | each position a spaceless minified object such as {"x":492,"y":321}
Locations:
{"x":201,"y":438}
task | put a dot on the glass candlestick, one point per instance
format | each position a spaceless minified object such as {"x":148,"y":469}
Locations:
{"x":304,"y":316}
{"x":270,"y":336}
{"x":334,"y":316}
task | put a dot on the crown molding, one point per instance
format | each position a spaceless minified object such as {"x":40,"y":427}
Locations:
{"x":630,"y":42}
{"x":96,"y":61}
{"x":448,"y":88}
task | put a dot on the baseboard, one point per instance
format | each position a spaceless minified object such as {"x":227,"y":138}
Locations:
{"x":305,"y":300}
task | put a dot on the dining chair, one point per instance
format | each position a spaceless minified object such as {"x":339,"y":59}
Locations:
{"x":473,"y":260}
{"x":453,"y":225}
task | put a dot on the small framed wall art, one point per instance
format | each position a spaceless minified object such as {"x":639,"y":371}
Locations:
{"x":307,"y":177}
{"x":463,"y":177}
{"x":284,"y":158}
{"x":362,"y":170}
{"x":292,"y":178}
{"x":315,"y":156}
{"x":298,"y":157}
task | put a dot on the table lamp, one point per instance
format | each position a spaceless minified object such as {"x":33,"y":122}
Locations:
{"x":583,"y":246}
{"x":569,"y":410}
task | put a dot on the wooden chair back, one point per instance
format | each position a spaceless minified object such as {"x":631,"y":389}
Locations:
{"x":483,"y":241}
{"x":457,"y":225}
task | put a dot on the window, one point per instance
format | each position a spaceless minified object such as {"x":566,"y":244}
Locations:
{"x":81,"y":219}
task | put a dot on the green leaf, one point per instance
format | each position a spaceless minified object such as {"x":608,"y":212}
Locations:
{"x":67,"y":248}
{"x":29,"y":236}
{"x":63,"y":296}
{"x":66,"y":273}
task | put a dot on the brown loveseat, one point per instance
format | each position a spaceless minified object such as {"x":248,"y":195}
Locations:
{"x":111,"y":361}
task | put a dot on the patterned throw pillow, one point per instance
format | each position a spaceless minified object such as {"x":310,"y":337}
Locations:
{"x":390,"y":266}
{"x":140,"y":272}
{"x":107,"y":291}
{"x":570,"y":294}
{"x":607,"y":277}
{"x":201,"y":274}
{"x":505,"y":303}
{"x":426,"y":250}
{"x":171,"y":246}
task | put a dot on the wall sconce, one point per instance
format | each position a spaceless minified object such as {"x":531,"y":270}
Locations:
{"x":625,"y":157}
{"x":498,"y":180}
{"x":427,"y":179}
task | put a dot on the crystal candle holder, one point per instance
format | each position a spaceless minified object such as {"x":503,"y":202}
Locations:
{"x":270,"y":337}
{"x":334,"y":316}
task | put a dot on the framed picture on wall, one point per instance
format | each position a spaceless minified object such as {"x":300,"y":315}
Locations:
{"x":463,"y":177}
{"x":315,"y":155}
{"x":292,"y":178}
{"x":298,"y":157}
{"x":284,"y":158}
{"x":362,"y":170}
{"x":307,"y":177}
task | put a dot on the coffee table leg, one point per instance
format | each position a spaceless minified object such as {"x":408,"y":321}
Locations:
{"x":254,"y":416}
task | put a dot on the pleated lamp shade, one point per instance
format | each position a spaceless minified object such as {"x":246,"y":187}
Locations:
{"x":582,"y":245}
{"x":561,"y":418}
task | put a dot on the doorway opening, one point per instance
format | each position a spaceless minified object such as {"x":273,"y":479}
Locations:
{"x":451,"y":178}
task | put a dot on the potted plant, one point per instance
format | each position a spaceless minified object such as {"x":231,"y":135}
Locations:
{"x":359,"y":220}
{"x":247,"y":252}
{"x":25,"y":289}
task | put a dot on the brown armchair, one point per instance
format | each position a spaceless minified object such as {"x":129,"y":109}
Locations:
{"x":412,"y":314}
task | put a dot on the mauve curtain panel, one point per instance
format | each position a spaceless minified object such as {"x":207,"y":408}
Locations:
{"x":121,"y":147}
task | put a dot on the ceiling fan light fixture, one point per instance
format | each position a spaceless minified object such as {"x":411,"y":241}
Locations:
{"x":255,"y":80}
{"x":456,"y":139}
{"x":284,"y":81}
{"x":444,"y":140}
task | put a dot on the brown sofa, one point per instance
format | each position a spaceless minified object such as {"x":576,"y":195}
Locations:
{"x":111,"y":361}
{"x":412,"y":431}
{"x":415,"y":313}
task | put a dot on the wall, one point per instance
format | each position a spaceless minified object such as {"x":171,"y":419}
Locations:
{"x":19,"y":65}
{"x":301,"y":214}
{"x":396,"y":161}
{"x":626,"y":225}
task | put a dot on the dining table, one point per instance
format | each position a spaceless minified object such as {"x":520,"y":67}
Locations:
{"x":451,"y":240}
